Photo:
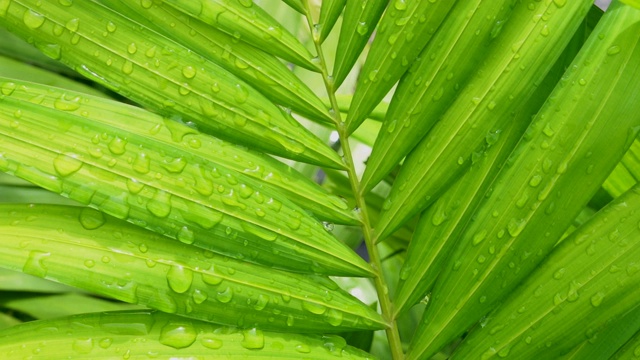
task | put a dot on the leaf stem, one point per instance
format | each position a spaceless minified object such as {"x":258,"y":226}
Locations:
{"x":382,"y":290}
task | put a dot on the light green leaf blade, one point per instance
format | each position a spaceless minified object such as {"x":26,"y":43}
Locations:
{"x":359,"y":22}
{"x":520,"y":59}
{"x":7,"y":321}
{"x":263,"y":71}
{"x":112,"y":258}
{"x":589,"y":281}
{"x":441,"y":225}
{"x":612,"y":337}
{"x":19,"y":70}
{"x":248,"y":22}
{"x":630,"y":350}
{"x":32,"y":194}
{"x":17,"y":281}
{"x":443,"y":222}
{"x":330,"y":11}
{"x":153,"y":174}
{"x":626,"y":173}
{"x":427,"y":90}
{"x":142,"y":334}
{"x":296,"y":5}
{"x":163,"y":75}
{"x":16,"y":48}
{"x":405,"y":28}
{"x":59,"y":305}
{"x":558,"y":166}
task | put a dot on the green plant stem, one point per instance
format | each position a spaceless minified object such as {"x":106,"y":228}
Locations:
{"x":382,"y":289}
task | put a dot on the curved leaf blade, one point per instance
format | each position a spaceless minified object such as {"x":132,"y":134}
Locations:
{"x":136,"y":175}
{"x":521,"y":58}
{"x":263,"y":71}
{"x":142,"y":333}
{"x":405,"y":28}
{"x":296,"y":5}
{"x":548,"y":179}
{"x":163,"y":75}
{"x":360,"y":20}
{"x":248,"y":22}
{"x":330,"y":11}
{"x":590,"y":280}
{"x":128,"y":263}
{"x":427,"y":90}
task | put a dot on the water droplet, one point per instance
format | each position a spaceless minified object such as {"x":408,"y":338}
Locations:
{"x":66,"y":164}
{"x":160,"y":204}
{"x":210,"y":342}
{"x":105,"y":343}
{"x":314,"y":308}
{"x":225,"y":296}
{"x":66,"y":104}
{"x":8,"y":88}
{"x":362,"y":28}
{"x":175,"y":166}
{"x":73,"y":24}
{"x":178,"y":335}
{"x":560,"y":3}
{"x":111,"y":27}
{"x":613,"y":50}
{"x":127,"y":67}
{"x":32,"y":19}
{"x":35,"y":264}
{"x":516,"y":226}
{"x":185,"y":235}
{"x":82,"y":345}
{"x":596,"y":299}
{"x":146,"y":3}
{"x":479,"y":237}
{"x":252,"y":339}
{"x":91,"y":219}
{"x":179,"y":278}
{"x":334,"y":317}
{"x":303,"y":348}
{"x":142,"y":163}
{"x":189,"y":72}
{"x":117,"y":146}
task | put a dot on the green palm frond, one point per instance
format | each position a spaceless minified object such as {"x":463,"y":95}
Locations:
{"x":318,"y":179}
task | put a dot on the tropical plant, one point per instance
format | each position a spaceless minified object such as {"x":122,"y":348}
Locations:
{"x":220,"y":161}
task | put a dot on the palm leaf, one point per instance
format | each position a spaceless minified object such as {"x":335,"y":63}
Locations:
{"x":135,"y":334}
{"x":511,"y":232}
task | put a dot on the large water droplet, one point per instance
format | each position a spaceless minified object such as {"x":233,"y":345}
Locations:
{"x":224,"y":296}
{"x":35,"y":264}
{"x":314,"y":308}
{"x":82,"y":345}
{"x":178,"y":335}
{"x":91,"y":219}
{"x":179,"y":278}
{"x":66,"y":164}
{"x":252,"y":339}
{"x":160,"y":204}
{"x":32,"y":19}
